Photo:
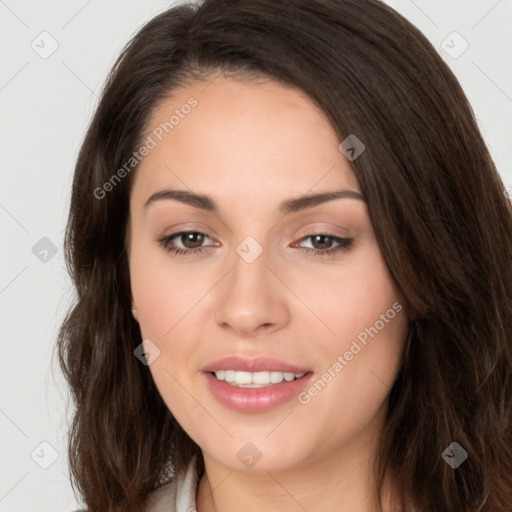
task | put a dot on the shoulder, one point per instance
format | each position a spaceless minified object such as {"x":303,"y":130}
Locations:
{"x":177,"y":495}
{"x":161,"y":499}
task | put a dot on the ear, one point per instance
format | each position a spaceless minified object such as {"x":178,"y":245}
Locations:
{"x":134,"y":311}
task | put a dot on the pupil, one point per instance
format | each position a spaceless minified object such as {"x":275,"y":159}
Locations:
{"x":321,"y":238}
{"x":193,"y":240}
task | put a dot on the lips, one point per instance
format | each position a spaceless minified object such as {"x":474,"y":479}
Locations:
{"x":258,"y":364}
{"x":255,"y":399}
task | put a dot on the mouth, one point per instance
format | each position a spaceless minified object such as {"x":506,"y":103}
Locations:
{"x":254,"y":384}
{"x":255,"y":392}
{"x":261,"y":379}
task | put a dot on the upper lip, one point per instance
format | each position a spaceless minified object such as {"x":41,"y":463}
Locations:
{"x":255,"y":364}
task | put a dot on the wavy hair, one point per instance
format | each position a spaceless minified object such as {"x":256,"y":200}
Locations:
{"x":439,"y":210}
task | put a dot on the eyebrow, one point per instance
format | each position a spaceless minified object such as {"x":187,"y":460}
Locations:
{"x":293,"y":205}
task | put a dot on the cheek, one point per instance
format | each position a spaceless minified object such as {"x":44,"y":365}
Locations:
{"x":350,"y":297}
{"x":164,"y":296}
{"x":163,"y":291}
{"x":361,"y":355}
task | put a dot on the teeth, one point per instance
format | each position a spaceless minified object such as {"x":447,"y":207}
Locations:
{"x":255,"y":379}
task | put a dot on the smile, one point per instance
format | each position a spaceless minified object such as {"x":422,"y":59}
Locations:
{"x":248,"y":394}
{"x":255,"y":379}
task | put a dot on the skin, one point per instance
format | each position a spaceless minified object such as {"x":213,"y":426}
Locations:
{"x":250,"y":146}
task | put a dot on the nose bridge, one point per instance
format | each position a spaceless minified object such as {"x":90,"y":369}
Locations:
{"x":249,"y":279}
{"x":251,"y":296}
{"x":250,"y":270}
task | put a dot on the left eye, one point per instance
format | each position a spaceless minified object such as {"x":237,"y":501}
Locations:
{"x":192,"y":242}
{"x":323,"y":243}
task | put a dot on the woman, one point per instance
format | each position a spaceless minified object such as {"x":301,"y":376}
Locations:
{"x":291,"y":251}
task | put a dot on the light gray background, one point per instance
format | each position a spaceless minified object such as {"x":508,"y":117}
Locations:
{"x":46,"y":104}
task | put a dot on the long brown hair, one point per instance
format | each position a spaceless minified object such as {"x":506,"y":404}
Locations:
{"x":436,"y":202}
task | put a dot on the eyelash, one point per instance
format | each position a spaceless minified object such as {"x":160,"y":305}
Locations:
{"x":343,"y":244}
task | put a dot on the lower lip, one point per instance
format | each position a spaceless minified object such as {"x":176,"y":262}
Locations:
{"x":255,"y":399}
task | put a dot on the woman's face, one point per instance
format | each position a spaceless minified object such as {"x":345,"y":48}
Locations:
{"x":262,"y":274}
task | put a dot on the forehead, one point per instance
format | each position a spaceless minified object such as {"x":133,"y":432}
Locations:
{"x":257,"y":136}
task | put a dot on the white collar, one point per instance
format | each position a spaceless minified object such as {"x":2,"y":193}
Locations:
{"x":178,"y":495}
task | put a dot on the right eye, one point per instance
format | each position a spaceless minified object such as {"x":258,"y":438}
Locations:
{"x":191,"y":242}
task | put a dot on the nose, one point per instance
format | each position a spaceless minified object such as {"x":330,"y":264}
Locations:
{"x":251,"y":299}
